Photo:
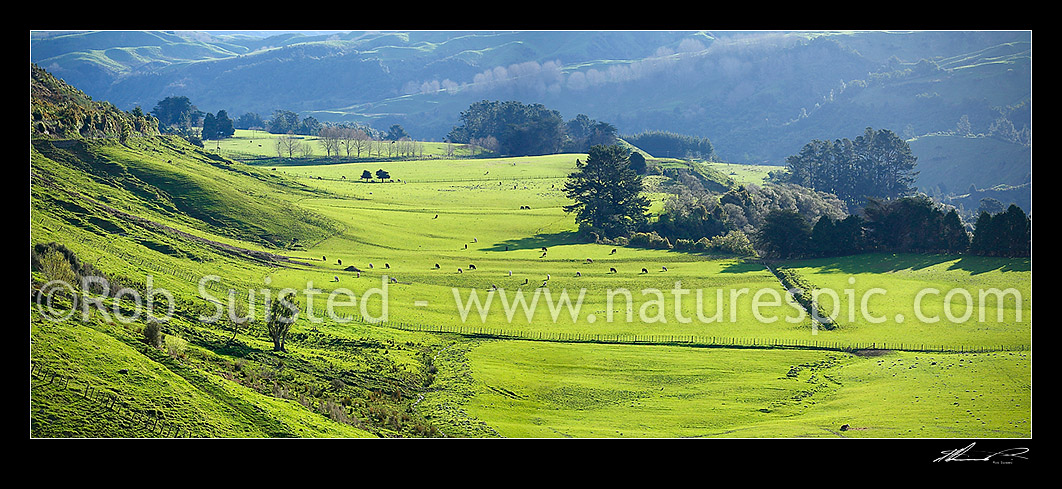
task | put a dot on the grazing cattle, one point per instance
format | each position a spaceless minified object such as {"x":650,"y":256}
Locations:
{"x":525,"y":281}
{"x":387,"y":265}
{"x":547,"y":276}
{"x":510,"y":273}
{"x":544,"y":283}
{"x":475,"y":240}
{"x":459,"y":270}
{"x":578,"y":274}
{"x":612,"y":270}
{"x":589,"y":260}
{"x":324,"y":258}
{"x":436,"y":216}
{"x":370,"y":265}
{"x":394,"y":280}
{"x":436,"y":265}
{"x":335,"y":278}
{"x":664,"y":269}
{"x":544,"y":248}
{"x":645,"y":271}
{"x":471,"y":266}
{"x":359,"y":275}
{"x":613,"y":251}
{"x":543,"y":255}
{"x":339,"y":262}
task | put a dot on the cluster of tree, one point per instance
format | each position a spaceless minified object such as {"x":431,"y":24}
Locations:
{"x":665,"y":144}
{"x":288,"y":122}
{"x":1008,"y":233}
{"x":177,"y":115}
{"x":691,"y":213}
{"x":381,"y":174}
{"x":913,"y":224}
{"x":249,"y":120}
{"x":339,"y":140}
{"x":217,"y":126}
{"x":608,"y":206}
{"x":582,"y":133}
{"x":878,"y":164}
{"x":513,"y":128}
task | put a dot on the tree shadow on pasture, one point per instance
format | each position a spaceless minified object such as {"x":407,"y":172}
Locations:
{"x":879,"y":262}
{"x":982,"y":264}
{"x":537,"y":241}
{"x":743,"y":266}
{"x":893,"y":262}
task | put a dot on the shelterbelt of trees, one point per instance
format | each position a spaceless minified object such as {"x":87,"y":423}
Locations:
{"x":908,"y":224}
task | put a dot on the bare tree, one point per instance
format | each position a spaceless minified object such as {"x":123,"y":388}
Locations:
{"x":288,"y":145}
{"x":355,"y":139}
{"x":331,"y":137}
{"x":489,"y":143}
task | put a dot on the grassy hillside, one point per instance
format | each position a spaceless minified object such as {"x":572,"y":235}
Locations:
{"x":950,"y":165}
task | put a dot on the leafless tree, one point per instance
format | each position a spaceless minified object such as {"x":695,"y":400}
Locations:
{"x":288,"y":145}
{"x":331,"y":137}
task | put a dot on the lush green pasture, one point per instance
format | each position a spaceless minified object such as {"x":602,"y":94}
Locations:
{"x":930,"y":300}
{"x":457,"y":213}
{"x":542,"y":389}
{"x":742,"y":173}
{"x":403,"y":230}
{"x":546,"y":389}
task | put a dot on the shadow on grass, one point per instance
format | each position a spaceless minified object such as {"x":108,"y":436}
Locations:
{"x":537,"y":241}
{"x":743,"y":266}
{"x":890,"y":262}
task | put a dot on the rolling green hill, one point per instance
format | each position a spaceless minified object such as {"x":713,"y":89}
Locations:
{"x":148,"y":213}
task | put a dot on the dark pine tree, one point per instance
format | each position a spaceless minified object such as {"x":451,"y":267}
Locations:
{"x":606,"y":192}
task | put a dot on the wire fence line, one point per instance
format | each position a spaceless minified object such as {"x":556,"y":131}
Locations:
{"x":703,"y":341}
